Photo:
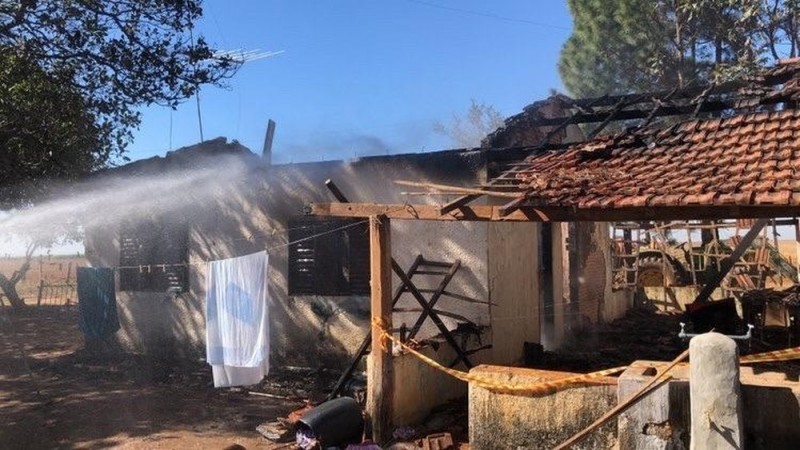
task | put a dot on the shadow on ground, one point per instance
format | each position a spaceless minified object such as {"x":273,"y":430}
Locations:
{"x":60,"y":396}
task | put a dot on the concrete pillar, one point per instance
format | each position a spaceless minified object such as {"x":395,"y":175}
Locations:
{"x":715,"y":394}
{"x":659,"y":421}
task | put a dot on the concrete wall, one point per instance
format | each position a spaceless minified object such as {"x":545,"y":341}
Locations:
{"x":418,"y":387}
{"x":500,"y":421}
{"x":770,"y":406}
{"x":513,"y":289}
{"x":370,"y":180}
{"x":660,"y":421}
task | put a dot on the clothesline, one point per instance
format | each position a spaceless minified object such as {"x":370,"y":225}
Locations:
{"x":149,"y":267}
{"x":272,"y":232}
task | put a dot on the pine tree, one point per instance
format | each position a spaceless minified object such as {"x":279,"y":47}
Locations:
{"x":621,"y":46}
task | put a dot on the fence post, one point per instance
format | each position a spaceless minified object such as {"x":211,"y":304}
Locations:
{"x":715,"y":393}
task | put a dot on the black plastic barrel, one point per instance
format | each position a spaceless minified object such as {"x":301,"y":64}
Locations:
{"x":337,"y":422}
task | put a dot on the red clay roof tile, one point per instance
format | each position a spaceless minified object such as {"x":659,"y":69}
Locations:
{"x":774,"y":198}
{"x":699,"y":162}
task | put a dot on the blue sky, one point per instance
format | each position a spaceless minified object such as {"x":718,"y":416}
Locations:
{"x":364,"y":77}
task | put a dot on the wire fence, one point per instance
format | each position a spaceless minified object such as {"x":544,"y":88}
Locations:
{"x":61,"y":294}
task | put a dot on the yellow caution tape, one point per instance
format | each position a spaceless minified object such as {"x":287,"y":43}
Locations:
{"x":550,"y":387}
{"x":786,"y":354}
{"x":540,"y":388}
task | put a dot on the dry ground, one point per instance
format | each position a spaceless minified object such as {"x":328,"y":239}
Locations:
{"x":53,"y":270}
{"x":72,"y":400}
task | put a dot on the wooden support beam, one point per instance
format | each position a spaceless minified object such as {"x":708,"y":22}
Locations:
{"x":797,"y":247}
{"x":459,"y":189}
{"x":483,"y":213}
{"x":632,"y":114}
{"x":380,"y":383}
{"x":509,"y":207}
{"x":730,"y":261}
{"x":362,"y":349}
{"x":458,"y":203}
{"x":337,"y":194}
{"x":611,"y":115}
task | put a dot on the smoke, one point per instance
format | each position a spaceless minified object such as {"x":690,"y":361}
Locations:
{"x":338,"y":147}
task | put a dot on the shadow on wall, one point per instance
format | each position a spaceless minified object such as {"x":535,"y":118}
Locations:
{"x":775,"y":425}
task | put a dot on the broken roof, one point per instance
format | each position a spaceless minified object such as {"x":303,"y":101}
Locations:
{"x":742,"y":160}
{"x":705,"y":151}
{"x":747,"y":155}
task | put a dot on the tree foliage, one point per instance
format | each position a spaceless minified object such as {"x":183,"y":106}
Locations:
{"x":46,"y":130}
{"x":73,"y":75}
{"x":92,"y":65}
{"x":620,"y":46}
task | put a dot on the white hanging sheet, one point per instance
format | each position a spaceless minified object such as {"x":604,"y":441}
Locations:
{"x":237,"y":320}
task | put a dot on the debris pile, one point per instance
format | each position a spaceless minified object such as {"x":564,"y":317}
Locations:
{"x":340,"y":424}
{"x":775,"y":314}
{"x":640,"y":335}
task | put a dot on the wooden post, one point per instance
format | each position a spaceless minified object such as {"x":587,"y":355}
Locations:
{"x":728,"y":262}
{"x":266,"y":152}
{"x":380,"y":389}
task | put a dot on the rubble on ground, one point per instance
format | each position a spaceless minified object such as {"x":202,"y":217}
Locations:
{"x":640,"y":335}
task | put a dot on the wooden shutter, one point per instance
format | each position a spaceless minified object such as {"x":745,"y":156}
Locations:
{"x":302,"y":258}
{"x":129,"y":249}
{"x":328,"y":259}
{"x":160,"y":250}
{"x":359,"y":259}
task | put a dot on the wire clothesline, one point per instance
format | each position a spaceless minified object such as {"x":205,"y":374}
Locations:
{"x":142,"y":267}
{"x":148,"y":267}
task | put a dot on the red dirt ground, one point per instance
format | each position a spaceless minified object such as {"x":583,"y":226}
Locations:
{"x":73,"y":400}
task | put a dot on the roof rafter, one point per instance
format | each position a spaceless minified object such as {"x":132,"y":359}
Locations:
{"x":487,"y":213}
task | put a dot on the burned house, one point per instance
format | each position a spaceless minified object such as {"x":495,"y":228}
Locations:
{"x":497,"y":285}
{"x":724,"y":152}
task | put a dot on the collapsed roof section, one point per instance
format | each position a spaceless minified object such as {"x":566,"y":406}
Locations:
{"x":740,"y":145}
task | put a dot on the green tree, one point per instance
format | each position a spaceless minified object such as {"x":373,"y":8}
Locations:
{"x":109,"y":57}
{"x":46,"y":132}
{"x":621,"y":46}
{"x":73,"y":75}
